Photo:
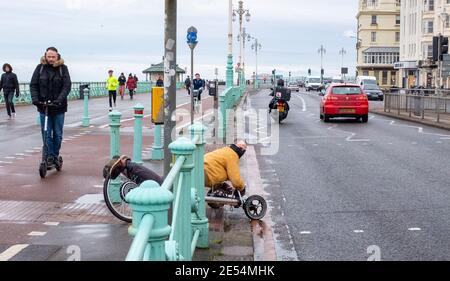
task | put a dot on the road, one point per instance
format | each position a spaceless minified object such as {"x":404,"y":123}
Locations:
{"x":351,"y":191}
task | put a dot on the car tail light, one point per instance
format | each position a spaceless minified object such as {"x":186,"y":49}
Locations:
{"x":362,"y":97}
{"x":331,"y":98}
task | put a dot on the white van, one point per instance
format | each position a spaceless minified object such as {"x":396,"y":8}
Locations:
{"x":366,"y":80}
{"x":313,"y":83}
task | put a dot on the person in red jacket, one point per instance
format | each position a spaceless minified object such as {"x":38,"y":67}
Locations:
{"x":131,"y":85}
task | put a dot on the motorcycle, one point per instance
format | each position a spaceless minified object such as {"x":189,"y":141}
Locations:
{"x":281,"y":106}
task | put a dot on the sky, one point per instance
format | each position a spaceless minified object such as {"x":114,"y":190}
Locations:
{"x":128,"y":35}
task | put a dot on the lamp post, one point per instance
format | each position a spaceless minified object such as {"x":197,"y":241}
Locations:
{"x":230,"y":74}
{"x":322,"y":52}
{"x":241,"y":12}
{"x":192,"y":42}
{"x":358,"y":46}
{"x":342,"y":52}
{"x":256,"y":46}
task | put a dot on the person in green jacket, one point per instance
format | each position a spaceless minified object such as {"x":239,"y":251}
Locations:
{"x":111,"y":86}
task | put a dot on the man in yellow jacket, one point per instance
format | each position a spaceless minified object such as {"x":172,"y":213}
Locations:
{"x":223,"y":165}
{"x":111,"y":85}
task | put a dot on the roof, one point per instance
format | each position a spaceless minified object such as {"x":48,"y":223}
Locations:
{"x":382,"y":50}
{"x":159,"y":68}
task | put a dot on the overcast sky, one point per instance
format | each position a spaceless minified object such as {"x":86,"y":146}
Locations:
{"x":127,"y":35}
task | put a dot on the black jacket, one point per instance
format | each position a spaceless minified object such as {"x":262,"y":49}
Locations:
{"x":122,"y":80}
{"x":51,"y":83}
{"x":9,"y":82}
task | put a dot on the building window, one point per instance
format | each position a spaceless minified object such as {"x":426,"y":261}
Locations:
{"x":385,"y":78}
{"x":397,"y":20}
{"x":428,"y":27}
{"x":374,"y":19}
{"x":365,"y":73}
{"x":447,"y":19}
{"x":371,"y":3}
{"x":397,"y":36}
{"x":393,"y":78}
{"x":374,"y":37}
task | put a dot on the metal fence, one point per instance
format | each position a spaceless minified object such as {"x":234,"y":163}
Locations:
{"x":434,"y":106}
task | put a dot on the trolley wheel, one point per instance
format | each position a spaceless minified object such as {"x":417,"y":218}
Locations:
{"x":255,"y":207}
{"x":114,"y":198}
{"x":59,"y":167}
{"x":43,"y":170}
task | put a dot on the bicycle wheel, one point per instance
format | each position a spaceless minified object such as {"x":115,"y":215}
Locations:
{"x":114,"y":192}
{"x":255,"y":207}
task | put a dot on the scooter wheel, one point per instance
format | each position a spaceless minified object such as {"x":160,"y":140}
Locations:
{"x":43,"y":170}
{"x":255,"y":207}
{"x":214,"y":206}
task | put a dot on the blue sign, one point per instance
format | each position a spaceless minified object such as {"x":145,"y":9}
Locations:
{"x":192,"y":37}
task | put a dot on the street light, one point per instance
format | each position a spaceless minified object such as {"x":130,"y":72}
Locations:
{"x":256,"y":46}
{"x":241,"y":12}
{"x":192,"y":43}
{"x":322,"y":52}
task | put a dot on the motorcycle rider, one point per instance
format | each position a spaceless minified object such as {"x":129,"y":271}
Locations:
{"x":285,"y":96}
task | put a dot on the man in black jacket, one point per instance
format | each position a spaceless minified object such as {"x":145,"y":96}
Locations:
{"x":51,"y":84}
{"x":9,"y":84}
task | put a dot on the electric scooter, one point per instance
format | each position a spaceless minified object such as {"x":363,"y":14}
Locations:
{"x":44,"y":166}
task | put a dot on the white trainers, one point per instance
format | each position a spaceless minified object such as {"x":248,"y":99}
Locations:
{"x":110,"y":109}
{"x":13,"y":115}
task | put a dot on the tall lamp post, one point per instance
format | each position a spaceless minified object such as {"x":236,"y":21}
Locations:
{"x":256,"y":46}
{"x":241,"y":12}
{"x":322,"y":52}
{"x":192,"y":43}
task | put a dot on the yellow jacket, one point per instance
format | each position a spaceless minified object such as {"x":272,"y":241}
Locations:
{"x":222,"y":165}
{"x":112,"y":83}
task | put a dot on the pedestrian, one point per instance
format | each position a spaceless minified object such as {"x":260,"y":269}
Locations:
{"x":136,"y":79}
{"x":51,"y":83}
{"x":131,"y":85}
{"x":9,"y":84}
{"x":122,"y":84}
{"x":111,"y":86}
{"x":160,"y":82}
{"x":199,"y":84}
{"x":187,"y":84}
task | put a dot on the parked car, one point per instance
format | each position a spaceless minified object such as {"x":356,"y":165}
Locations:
{"x":301,"y":83}
{"x":373,"y":92}
{"x":344,"y":100}
{"x":293,"y":86}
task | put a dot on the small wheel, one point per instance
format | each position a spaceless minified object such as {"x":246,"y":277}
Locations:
{"x":365,"y":118}
{"x":43,"y":170}
{"x":59,"y":167}
{"x":255,"y":207}
{"x":113,"y":192}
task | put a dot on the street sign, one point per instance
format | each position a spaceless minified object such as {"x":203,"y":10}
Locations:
{"x":192,"y":37}
{"x":344,"y":70}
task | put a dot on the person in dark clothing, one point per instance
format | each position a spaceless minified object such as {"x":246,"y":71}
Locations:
{"x":160,"y":82}
{"x":285,"y":95}
{"x":122,"y":84}
{"x":199,"y":84}
{"x":51,"y":83}
{"x":9,"y":84}
{"x":187,"y":84}
{"x":131,"y":85}
{"x":133,"y":171}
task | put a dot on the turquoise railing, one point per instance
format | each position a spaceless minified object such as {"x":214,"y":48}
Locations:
{"x":228,"y":100}
{"x":183,"y":189}
{"x":97,"y":89}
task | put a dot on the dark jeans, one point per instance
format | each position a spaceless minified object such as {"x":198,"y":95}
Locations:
{"x":9,"y":95}
{"x":139,"y":174}
{"x":112,"y":96}
{"x":131,"y":93}
{"x":55,"y":127}
{"x":188,"y":88}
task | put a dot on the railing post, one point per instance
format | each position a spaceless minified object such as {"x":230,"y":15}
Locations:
{"x":183,"y":229}
{"x":151,"y":199}
{"x":199,"y":219}
{"x":137,"y":144}
{"x":114,"y":124}
{"x":86,"y":108}
{"x":223,"y":115}
{"x":157,"y":148}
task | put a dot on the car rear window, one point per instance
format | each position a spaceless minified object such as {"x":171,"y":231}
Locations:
{"x":346,"y":91}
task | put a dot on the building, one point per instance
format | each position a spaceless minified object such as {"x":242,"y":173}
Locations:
{"x":378,"y":36}
{"x":421,"y":21}
{"x":156,"y":70}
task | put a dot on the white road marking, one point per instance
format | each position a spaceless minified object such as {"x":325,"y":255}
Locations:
{"x":19,"y":154}
{"x":10,"y":157}
{"x":439,"y":142}
{"x":98,"y":186}
{"x":12,"y":251}
{"x":51,"y":223}
{"x":37,"y":233}
{"x":6,"y":162}
{"x":414,"y":229}
{"x":414,"y":143}
{"x":350,"y":138}
{"x":305,"y":232}
{"x":29,"y":151}
{"x":358,"y":231}
{"x":420,"y":130}
{"x":20,"y":158}
{"x":197,"y":119}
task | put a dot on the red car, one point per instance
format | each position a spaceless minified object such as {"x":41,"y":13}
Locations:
{"x":344,"y":100}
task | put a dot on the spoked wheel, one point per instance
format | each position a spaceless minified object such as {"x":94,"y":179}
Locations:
{"x":43,"y":170}
{"x":114,"y":192}
{"x":218,"y":194}
{"x":255,"y":207}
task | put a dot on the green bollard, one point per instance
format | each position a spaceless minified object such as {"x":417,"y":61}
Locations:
{"x":151,"y":199}
{"x":114,"y":124}
{"x":137,"y":144}
{"x":157,"y":148}
{"x":86,"y":108}
{"x":183,"y":229}
{"x":199,"y":220}
{"x":38,"y":119}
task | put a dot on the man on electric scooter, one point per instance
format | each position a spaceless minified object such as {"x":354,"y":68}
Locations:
{"x":51,"y":83}
{"x":285,"y":95}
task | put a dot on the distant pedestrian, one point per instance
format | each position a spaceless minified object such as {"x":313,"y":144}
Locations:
{"x":131,"y":85}
{"x":136,"y":79}
{"x":160,"y":82}
{"x":51,"y":83}
{"x":111,"y":85}
{"x":187,"y":84}
{"x":9,"y":84}
{"x":122,"y":85}
{"x":199,"y":84}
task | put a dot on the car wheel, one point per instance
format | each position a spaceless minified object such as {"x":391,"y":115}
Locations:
{"x":365,"y":118}
{"x":321,"y":117}
{"x":381,"y":99}
{"x":326,"y":118}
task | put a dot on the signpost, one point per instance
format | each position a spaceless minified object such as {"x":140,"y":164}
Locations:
{"x":192,"y":43}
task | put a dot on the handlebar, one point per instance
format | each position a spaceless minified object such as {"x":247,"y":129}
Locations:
{"x":48,"y":104}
